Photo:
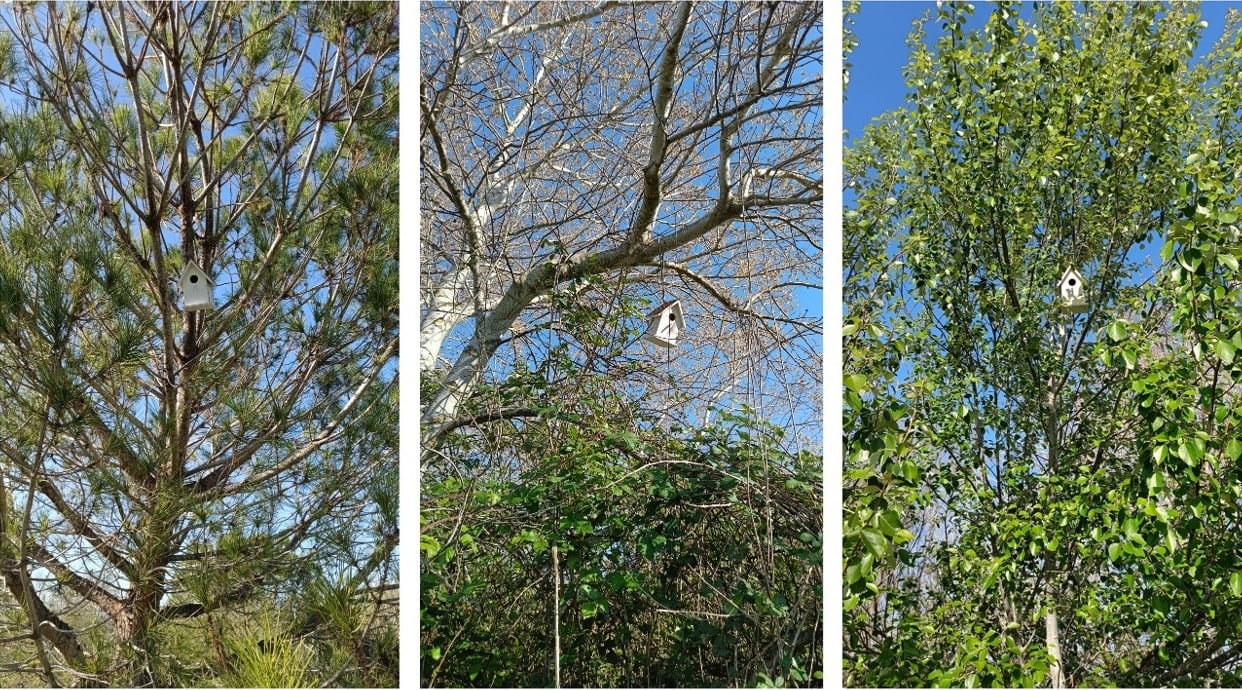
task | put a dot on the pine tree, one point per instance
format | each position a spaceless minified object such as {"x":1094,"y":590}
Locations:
{"x":164,"y":465}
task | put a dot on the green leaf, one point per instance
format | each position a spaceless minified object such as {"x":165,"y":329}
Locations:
{"x":866,"y":565}
{"x":1155,"y":481}
{"x":1163,"y":514}
{"x":852,"y":400}
{"x":1114,"y":551}
{"x":429,"y":545}
{"x":1117,"y":330}
{"x":1198,"y":448}
{"x":853,"y":573}
{"x":1159,"y":453}
{"x":1228,"y":260}
{"x":856,"y":382}
{"x":876,"y":542}
{"x":1225,"y":350}
{"x":1161,"y":605}
{"x":889,"y":522}
{"x":1233,"y":449}
{"x":1235,"y":584}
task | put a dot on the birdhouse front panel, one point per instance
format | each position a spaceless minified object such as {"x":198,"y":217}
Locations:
{"x":665,"y":324}
{"x":195,"y":288}
{"x":1073,"y":291}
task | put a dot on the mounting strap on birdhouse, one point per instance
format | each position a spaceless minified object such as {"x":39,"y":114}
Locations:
{"x":665,"y":324}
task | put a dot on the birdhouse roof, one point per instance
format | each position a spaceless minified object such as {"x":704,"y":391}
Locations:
{"x":191,"y":267}
{"x":674,"y":304}
{"x":1070,"y":273}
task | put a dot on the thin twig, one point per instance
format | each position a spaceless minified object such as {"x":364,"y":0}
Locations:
{"x":703,"y":614}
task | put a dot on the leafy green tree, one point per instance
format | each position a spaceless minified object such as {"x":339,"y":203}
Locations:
{"x":682,"y":558}
{"x":165,"y":467}
{"x":1035,"y":496}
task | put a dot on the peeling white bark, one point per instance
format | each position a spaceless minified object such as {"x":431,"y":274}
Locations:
{"x":444,"y":311}
{"x":489,"y":330}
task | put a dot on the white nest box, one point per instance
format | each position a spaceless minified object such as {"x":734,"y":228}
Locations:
{"x":195,"y":288}
{"x":665,"y":324}
{"x":1073,"y":292}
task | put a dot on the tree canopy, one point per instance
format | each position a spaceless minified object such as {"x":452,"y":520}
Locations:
{"x":1033,"y":495}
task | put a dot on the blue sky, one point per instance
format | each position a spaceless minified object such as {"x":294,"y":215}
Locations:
{"x":876,"y":83}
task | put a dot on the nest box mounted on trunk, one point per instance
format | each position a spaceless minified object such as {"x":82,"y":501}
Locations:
{"x":195,"y":288}
{"x":665,"y":324}
{"x":1073,"y":292}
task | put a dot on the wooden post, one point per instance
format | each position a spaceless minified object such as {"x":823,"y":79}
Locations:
{"x":556,"y":613}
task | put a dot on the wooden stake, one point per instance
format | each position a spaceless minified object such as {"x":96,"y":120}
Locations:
{"x":556,"y":612}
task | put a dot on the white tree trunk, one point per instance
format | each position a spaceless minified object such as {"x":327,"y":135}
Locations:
{"x":1052,"y":633}
{"x":1052,"y":636}
{"x":444,"y":310}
